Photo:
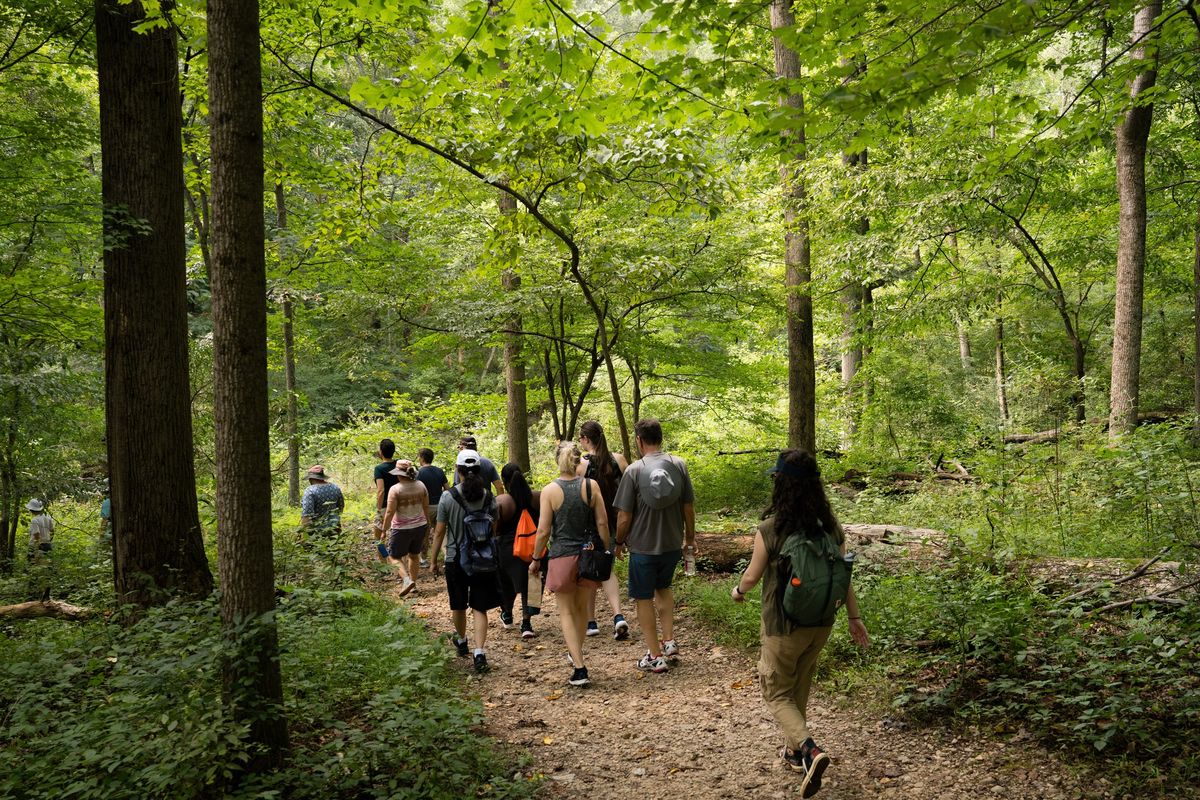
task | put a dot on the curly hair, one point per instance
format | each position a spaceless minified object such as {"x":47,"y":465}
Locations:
{"x":798,"y":500}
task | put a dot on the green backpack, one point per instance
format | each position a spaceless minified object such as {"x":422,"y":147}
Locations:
{"x":815,"y":578}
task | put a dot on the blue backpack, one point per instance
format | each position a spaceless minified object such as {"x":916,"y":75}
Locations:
{"x":478,"y":550}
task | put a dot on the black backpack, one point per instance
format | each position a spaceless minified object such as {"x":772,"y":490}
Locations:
{"x":478,"y":550}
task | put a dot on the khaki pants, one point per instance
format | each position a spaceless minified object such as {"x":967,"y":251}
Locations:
{"x":785,"y":672}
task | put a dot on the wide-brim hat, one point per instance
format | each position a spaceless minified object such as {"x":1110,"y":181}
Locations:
{"x":35,"y":505}
{"x":404,"y":469}
{"x":317,"y":472}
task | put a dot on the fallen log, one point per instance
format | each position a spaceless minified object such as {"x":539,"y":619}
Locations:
{"x":45,"y":608}
{"x":728,"y":552}
{"x":1045,"y":437}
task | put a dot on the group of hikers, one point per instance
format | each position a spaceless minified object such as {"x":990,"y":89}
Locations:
{"x":600,"y":502}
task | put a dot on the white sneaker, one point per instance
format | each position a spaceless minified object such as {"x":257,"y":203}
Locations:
{"x":407,"y":586}
{"x":651,"y":663}
{"x":670,"y":649}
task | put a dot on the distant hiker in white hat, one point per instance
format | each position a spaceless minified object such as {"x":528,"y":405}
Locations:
{"x":322,"y":505}
{"x":41,"y":529}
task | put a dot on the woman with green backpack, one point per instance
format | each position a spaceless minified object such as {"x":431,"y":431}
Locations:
{"x":800,"y":556}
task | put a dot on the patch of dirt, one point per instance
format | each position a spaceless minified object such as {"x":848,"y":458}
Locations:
{"x":701,"y":731}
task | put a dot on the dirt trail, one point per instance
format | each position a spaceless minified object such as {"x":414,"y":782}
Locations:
{"x":700,"y":731}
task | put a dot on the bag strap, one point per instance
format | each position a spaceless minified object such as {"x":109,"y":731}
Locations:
{"x":458,"y":498}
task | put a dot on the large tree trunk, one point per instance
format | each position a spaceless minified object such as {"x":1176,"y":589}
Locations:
{"x":253,"y":685}
{"x":1133,"y":132}
{"x":158,"y":549}
{"x":9,"y":488}
{"x":514,"y":370}
{"x":292,"y":423}
{"x":802,"y":411}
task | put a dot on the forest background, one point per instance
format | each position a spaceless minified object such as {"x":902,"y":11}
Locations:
{"x":954,"y":249}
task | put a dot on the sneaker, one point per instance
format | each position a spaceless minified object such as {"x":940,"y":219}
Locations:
{"x":814,"y":760}
{"x":652,"y":663}
{"x":670,"y":649}
{"x":461,"y":646}
{"x":579,"y":677}
{"x":527,"y":631}
{"x":593,"y":629}
{"x":407,"y":585}
{"x":620,"y":628}
{"x":424,"y":562}
{"x":481,"y":664}
{"x":506,"y":619}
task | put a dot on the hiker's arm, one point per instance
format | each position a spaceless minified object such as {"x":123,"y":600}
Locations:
{"x":439,"y":533}
{"x":754,"y":572}
{"x":380,"y":500}
{"x":858,"y":631}
{"x":386,"y":525}
{"x":600,"y":512}
{"x":689,"y":527}
{"x":624,"y":523}
{"x":497,"y":487}
{"x":545,"y":520}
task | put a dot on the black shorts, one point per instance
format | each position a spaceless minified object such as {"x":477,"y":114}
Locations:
{"x":479,"y":592}
{"x":406,"y":541}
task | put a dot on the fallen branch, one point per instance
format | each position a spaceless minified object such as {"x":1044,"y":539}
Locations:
{"x":1159,"y":597}
{"x":1137,"y":573}
{"x":45,"y":608}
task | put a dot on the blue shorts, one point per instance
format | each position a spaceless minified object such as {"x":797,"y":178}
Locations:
{"x":648,"y":573}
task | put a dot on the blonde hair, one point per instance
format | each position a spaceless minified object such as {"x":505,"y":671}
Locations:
{"x":567,"y":455}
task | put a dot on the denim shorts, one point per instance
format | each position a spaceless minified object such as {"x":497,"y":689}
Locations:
{"x":648,"y":573}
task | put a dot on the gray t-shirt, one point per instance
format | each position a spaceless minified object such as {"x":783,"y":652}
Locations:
{"x":451,"y":513}
{"x":655,"y":489}
{"x":487,"y":471}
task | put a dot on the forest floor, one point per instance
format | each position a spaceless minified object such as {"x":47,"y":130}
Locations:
{"x":701,"y":731}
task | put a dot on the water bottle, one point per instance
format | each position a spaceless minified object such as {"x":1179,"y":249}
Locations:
{"x":689,"y":560}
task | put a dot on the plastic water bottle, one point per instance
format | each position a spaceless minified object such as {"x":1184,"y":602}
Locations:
{"x":689,"y":560}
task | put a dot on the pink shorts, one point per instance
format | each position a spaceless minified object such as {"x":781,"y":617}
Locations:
{"x":562,"y":575}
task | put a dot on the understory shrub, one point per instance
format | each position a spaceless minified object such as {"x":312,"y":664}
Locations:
{"x":101,"y":711}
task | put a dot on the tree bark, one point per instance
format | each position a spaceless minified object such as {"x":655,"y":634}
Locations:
{"x":253,"y":685}
{"x":514,"y":369}
{"x":158,"y":548}
{"x":852,"y":322}
{"x":802,"y":431}
{"x":1133,"y":132}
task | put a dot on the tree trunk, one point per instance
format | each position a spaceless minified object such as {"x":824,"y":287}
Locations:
{"x":9,"y":488}
{"x":292,"y":422}
{"x":802,"y":430}
{"x":852,"y":322}
{"x":158,"y":548}
{"x":1133,"y":132}
{"x":1001,"y":367}
{"x":514,"y":369}
{"x":551,"y":393}
{"x":1196,"y":327}
{"x":964,"y":340}
{"x":253,"y":685}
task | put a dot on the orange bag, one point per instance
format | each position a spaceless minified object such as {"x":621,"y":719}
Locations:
{"x":526,"y":533}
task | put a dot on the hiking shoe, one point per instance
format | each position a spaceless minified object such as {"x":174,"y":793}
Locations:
{"x":424,"y":562}
{"x":407,"y":585}
{"x":506,"y":619}
{"x":481,"y":665}
{"x":814,"y":761}
{"x":670,"y":649}
{"x":651,"y":663}
{"x":527,"y":631}
{"x":620,"y":628}
{"x":461,"y":646}
{"x":579,"y":677}
{"x":593,"y":629}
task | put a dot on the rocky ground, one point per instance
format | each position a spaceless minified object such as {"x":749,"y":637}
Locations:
{"x":700,"y":731}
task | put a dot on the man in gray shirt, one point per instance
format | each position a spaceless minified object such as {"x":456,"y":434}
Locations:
{"x":656,"y":518}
